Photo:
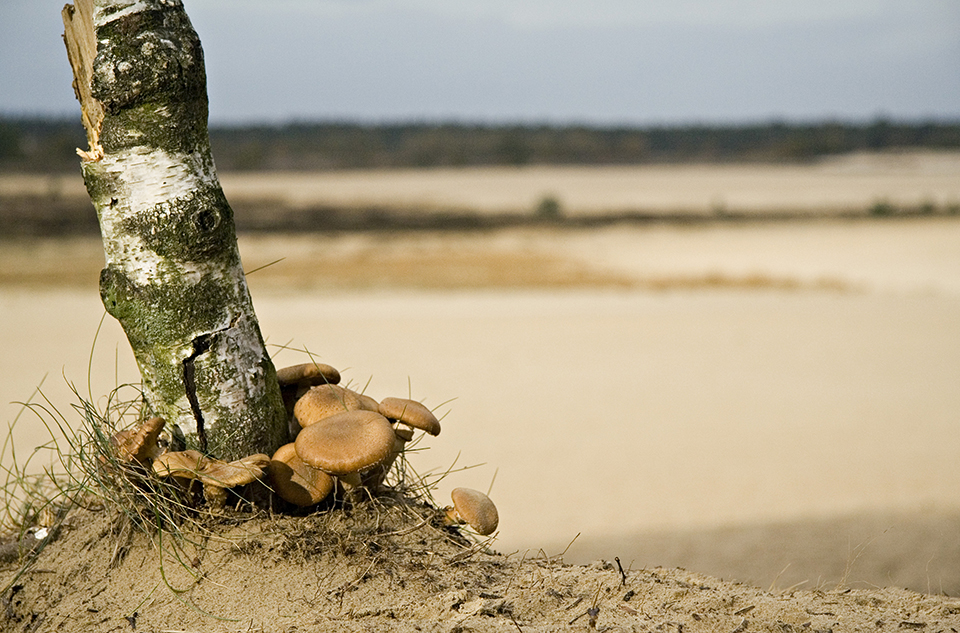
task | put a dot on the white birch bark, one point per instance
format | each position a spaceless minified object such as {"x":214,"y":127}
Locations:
{"x":173,"y":276}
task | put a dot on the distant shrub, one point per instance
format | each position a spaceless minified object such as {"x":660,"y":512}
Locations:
{"x":549,"y":208}
{"x":882,"y":208}
{"x":9,"y":141}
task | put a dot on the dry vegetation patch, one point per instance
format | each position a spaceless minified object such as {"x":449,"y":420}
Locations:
{"x":447,"y":262}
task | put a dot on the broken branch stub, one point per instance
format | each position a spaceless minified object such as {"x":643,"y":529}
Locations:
{"x":173,"y":277}
{"x":79,"y":37}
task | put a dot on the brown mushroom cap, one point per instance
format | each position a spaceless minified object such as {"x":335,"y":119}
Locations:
{"x":216,"y":475}
{"x":186,"y":464}
{"x":368,"y":403}
{"x":476,"y":509}
{"x":195,"y":465}
{"x":296,"y":379}
{"x":374,"y":477}
{"x":139,"y":444}
{"x":237,"y":473}
{"x":346,"y":443}
{"x":411,"y":413}
{"x":323,"y":401}
{"x":295,"y":481}
{"x":308,"y":374}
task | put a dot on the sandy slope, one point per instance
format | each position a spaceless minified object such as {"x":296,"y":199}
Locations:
{"x":368,"y":570}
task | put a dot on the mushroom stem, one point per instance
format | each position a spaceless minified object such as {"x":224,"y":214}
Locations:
{"x":215,"y":496}
{"x":350,"y":481}
{"x":450,"y":516}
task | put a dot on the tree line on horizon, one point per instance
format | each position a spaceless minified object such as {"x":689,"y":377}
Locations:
{"x":48,"y":145}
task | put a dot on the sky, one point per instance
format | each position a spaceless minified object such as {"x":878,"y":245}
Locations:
{"x":600,"y":62}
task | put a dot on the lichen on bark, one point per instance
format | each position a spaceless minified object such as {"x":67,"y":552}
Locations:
{"x":173,"y":276}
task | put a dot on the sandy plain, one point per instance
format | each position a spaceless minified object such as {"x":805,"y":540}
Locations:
{"x":840,"y":184}
{"x":772,"y":402}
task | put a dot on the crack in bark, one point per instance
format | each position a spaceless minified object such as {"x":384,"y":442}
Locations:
{"x":201,"y":344}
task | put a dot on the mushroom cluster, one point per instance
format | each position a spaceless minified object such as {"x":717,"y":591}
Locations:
{"x":342,"y":441}
{"x":142,"y":447}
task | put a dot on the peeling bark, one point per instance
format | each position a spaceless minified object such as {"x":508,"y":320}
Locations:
{"x":173,"y":277}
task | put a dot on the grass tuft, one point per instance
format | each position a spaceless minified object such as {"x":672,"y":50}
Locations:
{"x":77,"y":467}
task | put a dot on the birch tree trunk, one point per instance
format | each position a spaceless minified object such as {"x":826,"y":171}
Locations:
{"x":173,"y":277}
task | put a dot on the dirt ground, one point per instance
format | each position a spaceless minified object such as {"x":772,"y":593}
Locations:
{"x":384,"y":566}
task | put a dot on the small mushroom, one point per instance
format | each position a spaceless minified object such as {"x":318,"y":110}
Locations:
{"x":347,"y":444}
{"x":473,"y":508}
{"x":139,"y":444}
{"x":215,"y":475}
{"x":295,"y":481}
{"x":325,"y":400}
{"x":296,"y":379}
{"x":411,"y":413}
{"x":308,"y":375}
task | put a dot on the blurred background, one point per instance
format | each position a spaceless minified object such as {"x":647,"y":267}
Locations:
{"x":684,"y":278}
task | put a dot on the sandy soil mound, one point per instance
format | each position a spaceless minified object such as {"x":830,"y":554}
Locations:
{"x":387,"y":566}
